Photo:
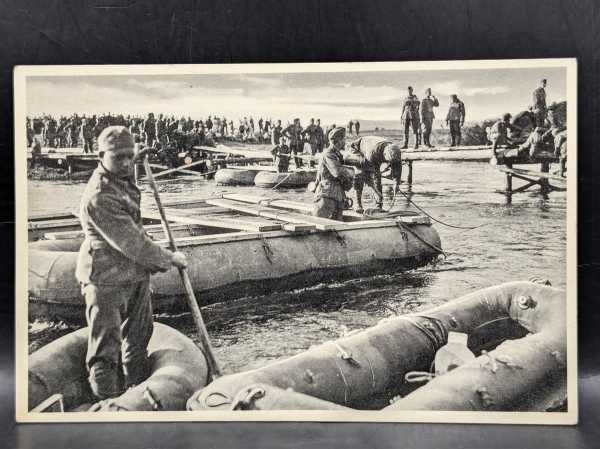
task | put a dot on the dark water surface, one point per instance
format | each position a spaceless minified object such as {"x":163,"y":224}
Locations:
{"x":515,"y":242}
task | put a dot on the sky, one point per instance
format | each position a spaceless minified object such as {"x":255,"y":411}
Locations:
{"x":335,"y":97}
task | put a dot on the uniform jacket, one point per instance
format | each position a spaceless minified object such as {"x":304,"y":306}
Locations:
{"x":410,"y":108}
{"x":116,"y":249}
{"x":294,"y":133}
{"x":456,"y":111}
{"x":329,"y":173}
{"x":427,"y":105}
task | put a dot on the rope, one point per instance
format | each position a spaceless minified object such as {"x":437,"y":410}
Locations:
{"x":282,"y":181}
{"x":435,"y":219}
{"x":431,"y":245}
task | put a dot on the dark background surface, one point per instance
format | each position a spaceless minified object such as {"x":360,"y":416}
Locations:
{"x":226,"y":31}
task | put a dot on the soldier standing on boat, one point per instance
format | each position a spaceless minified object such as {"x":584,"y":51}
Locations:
{"x":427,"y":115}
{"x":410,"y":117}
{"x":368,"y":154}
{"x":320,"y":136}
{"x":281,"y":156}
{"x":294,"y":133}
{"x":311,"y":135}
{"x":539,"y":108}
{"x":357,"y":127}
{"x":332,"y":179}
{"x":455,"y":119}
{"x":114,"y":266}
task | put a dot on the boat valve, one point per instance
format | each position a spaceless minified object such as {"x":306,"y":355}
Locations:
{"x":526,"y":302}
{"x":246,"y":398}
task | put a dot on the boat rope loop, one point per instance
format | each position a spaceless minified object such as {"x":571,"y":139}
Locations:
{"x":340,"y":238}
{"x":246,"y":398}
{"x":267,"y":249}
{"x":435,"y":219}
{"x":403,"y":227}
{"x":152,"y":399}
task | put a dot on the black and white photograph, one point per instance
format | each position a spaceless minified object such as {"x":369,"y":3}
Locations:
{"x":385,"y":241}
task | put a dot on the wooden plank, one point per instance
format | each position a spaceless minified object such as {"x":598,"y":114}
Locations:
{"x":322,"y":224}
{"x":176,"y":169}
{"x":531,"y":174}
{"x":53,"y":224}
{"x":298,"y":227}
{"x":217,"y":222}
{"x":53,"y":216}
{"x":64,"y":235}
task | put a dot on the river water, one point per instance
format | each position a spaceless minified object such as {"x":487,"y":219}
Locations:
{"x":516,"y":242}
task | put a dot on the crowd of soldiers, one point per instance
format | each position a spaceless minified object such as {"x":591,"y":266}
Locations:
{"x":161,"y":131}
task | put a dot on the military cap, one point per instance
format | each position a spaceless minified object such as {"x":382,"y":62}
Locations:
{"x":115,"y":138}
{"x":336,"y":133}
{"x":507,"y":116}
{"x":392,"y":153}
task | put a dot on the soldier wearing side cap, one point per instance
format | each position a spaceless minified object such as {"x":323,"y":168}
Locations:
{"x":427,"y":115}
{"x":114,"y":265}
{"x":410,"y":117}
{"x":332,"y":178}
{"x":368,"y":154}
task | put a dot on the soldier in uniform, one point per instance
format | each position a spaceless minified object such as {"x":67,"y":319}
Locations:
{"x":368,"y":154}
{"x":357,"y":127}
{"x":276,"y":133}
{"x":320,"y":136}
{"x":150,"y":130}
{"x":311,"y":134}
{"x":294,"y":133}
{"x":281,"y":156}
{"x":350,"y":127}
{"x":114,"y":266}
{"x":499,"y":132}
{"x":332,"y":179}
{"x":427,"y":115}
{"x":455,"y":119}
{"x":539,"y":104}
{"x":410,"y":116}
{"x":86,"y":136}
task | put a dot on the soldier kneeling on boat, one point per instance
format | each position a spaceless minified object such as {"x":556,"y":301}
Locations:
{"x":368,"y":154}
{"x":114,"y":266}
{"x":333,"y":179}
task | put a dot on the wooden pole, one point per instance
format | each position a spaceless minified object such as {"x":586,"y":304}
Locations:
{"x":410,"y":172}
{"x":190,"y":296}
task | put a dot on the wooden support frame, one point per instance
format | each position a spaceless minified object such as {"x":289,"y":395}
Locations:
{"x":532,"y":178}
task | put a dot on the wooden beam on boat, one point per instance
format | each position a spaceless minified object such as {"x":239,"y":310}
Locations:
{"x":213,"y":221}
{"x":182,"y":169}
{"x":321,"y":224}
{"x":54,"y":216}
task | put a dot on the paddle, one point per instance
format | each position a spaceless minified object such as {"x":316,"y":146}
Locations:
{"x":190,"y":296}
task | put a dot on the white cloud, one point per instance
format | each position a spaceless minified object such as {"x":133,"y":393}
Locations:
{"x":455,"y":87}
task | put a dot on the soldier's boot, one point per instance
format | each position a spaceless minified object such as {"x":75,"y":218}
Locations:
{"x":458,"y":141}
{"x":104,"y":380}
{"x":136,"y":372}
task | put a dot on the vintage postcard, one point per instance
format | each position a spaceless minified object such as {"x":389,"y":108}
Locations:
{"x":391,"y":241}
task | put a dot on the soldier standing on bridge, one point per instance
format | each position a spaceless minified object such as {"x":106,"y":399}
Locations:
{"x":455,"y":119}
{"x":114,"y":265}
{"x":539,"y":104}
{"x":427,"y":115}
{"x":410,"y":117}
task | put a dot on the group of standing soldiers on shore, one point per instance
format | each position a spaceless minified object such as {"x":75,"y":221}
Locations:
{"x":422,"y":123}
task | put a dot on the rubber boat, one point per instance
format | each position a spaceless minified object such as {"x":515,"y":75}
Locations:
{"x":516,"y":329}
{"x":58,"y":376}
{"x":240,"y":176}
{"x":299,"y":178}
{"x":239,"y":245}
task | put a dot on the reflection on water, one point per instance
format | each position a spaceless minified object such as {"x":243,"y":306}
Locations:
{"x":527,"y":238}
